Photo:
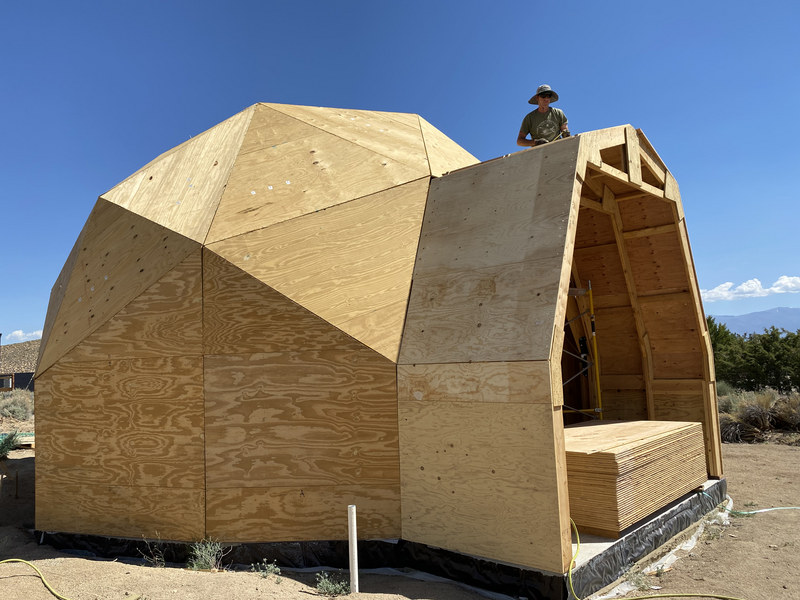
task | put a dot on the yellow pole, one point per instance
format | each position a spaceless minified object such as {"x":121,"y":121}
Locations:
{"x":594,"y":350}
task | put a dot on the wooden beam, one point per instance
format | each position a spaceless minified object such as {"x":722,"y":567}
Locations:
{"x":592,"y":204}
{"x":592,"y":184}
{"x":609,"y":171}
{"x":595,"y":249}
{"x":659,"y":173}
{"x":651,"y":298}
{"x":644,"y":339}
{"x":636,"y":233}
{"x":714,"y":450}
{"x":634,"y":161}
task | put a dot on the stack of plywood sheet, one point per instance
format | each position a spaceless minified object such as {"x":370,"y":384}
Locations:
{"x":622,"y":471}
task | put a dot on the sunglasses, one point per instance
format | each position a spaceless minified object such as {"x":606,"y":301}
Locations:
{"x":546,"y":95}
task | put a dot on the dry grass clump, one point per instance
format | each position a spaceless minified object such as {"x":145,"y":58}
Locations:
{"x":749,"y":416}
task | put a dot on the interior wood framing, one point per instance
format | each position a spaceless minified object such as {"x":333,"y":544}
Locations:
{"x":626,"y":185}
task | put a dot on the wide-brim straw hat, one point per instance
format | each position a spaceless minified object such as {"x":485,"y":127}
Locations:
{"x":540,"y":90}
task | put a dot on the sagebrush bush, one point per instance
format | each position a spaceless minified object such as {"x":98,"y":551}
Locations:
{"x":332,"y":585}
{"x":206,"y":555}
{"x":17,"y":404}
{"x":8,"y":443}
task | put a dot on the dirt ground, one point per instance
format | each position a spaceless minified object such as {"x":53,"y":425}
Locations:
{"x":755,"y":558}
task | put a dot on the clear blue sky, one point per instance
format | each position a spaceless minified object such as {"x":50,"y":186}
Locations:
{"x":91,"y":91}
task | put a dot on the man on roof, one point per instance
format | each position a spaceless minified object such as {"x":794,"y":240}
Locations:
{"x":545,"y":124}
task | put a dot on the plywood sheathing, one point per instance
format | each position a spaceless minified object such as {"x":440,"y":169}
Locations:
{"x":144,"y":418}
{"x":181,"y":190}
{"x":165,"y":320}
{"x":121,"y":255}
{"x":621,"y":472}
{"x":480,"y":478}
{"x":295,"y":164}
{"x":493,"y":264}
{"x":57,"y":293}
{"x":350,"y":264}
{"x":444,"y":155}
{"x":489,"y":266}
{"x":301,"y":419}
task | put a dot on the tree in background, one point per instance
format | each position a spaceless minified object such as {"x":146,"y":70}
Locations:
{"x":758,"y":360}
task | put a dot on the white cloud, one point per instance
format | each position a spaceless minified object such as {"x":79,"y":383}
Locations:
{"x":751,"y":289}
{"x":18,"y":336}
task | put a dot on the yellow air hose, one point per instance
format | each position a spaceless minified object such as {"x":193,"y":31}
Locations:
{"x":44,"y":581}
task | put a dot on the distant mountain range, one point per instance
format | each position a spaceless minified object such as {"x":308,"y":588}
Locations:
{"x":757,"y":322}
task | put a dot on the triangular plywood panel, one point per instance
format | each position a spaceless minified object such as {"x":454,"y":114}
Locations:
{"x":444,"y":155}
{"x":122,"y":254}
{"x":306,"y":173}
{"x":243,"y":315}
{"x":57,"y":296}
{"x":183,"y":188}
{"x":165,"y":320}
{"x":397,"y":138}
{"x":343,"y":263}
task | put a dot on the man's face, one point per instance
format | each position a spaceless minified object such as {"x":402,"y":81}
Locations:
{"x":544,"y":100}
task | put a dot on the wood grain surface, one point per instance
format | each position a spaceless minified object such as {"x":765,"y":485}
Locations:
{"x":342,"y":263}
{"x":242,"y":315}
{"x":165,"y":320}
{"x":518,"y":382}
{"x":125,"y":422}
{"x":301,"y":174}
{"x":657,"y":262}
{"x":277,"y":514}
{"x":122,"y":511}
{"x":57,"y":293}
{"x":301,"y":418}
{"x":481,"y":478}
{"x":618,"y":341}
{"x":503,"y":313}
{"x":490,"y":262}
{"x":182,"y":189}
{"x":398,"y":138}
{"x":645,"y":212}
{"x":121,"y":255}
{"x":444,"y":154}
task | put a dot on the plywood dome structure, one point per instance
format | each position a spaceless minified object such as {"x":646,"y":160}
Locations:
{"x":304,"y":308}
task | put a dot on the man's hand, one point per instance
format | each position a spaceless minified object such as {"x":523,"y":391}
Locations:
{"x":539,"y":142}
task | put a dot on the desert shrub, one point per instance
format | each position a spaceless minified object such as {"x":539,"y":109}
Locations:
{"x":332,"y":585}
{"x":206,"y":555}
{"x":755,"y":409}
{"x":7,"y":443}
{"x":154,"y":553}
{"x":733,"y":431}
{"x":17,"y":404}
{"x":266,"y":569}
{"x":724,"y":389}
{"x":786,"y":412}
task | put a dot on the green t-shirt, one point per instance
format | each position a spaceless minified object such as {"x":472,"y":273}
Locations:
{"x":543,"y":125}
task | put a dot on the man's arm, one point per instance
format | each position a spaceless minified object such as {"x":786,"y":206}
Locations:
{"x":523,"y":141}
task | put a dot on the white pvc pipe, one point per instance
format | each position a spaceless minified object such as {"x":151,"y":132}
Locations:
{"x":353,"y":543}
